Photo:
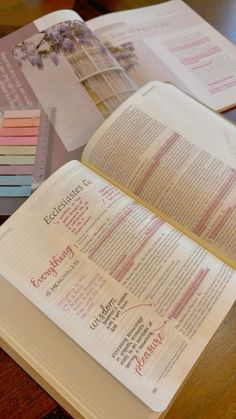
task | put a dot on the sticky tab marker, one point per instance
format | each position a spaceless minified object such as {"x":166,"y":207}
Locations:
{"x":15,"y":190}
{"x":18,"y":140}
{"x":16,"y":169}
{"x":19,"y":131}
{"x":18,"y":150}
{"x":22,"y":113}
{"x":15,"y":180}
{"x":20,"y":122}
{"x":17,"y":159}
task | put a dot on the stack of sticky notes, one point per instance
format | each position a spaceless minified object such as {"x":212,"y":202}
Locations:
{"x":19,"y":133}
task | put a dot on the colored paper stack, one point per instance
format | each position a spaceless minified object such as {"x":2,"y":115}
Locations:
{"x":19,"y":133}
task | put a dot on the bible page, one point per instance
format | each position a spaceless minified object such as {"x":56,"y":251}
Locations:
{"x":141,"y":298}
{"x":179,"y":158}
{"x":172,"y":43}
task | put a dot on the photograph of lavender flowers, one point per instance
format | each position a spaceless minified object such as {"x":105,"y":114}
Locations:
{"x":101,"y":70}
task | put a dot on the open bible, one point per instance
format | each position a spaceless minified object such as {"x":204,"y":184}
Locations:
{"x":131,"y":253}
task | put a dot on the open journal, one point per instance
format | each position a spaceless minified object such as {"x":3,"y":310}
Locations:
{"x":132,"y":253}
{"x":81,"y":72}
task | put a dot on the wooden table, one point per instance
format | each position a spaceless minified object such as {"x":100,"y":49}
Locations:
{"x":210,"y":391}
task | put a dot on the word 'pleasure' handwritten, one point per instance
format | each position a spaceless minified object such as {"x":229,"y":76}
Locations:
{"x":51,"y":269}
{"x":149,"y":351}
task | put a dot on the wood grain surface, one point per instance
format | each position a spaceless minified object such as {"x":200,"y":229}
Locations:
{"x":210,"y":390}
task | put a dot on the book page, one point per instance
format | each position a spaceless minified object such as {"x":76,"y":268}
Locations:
{"x":179,"y":158}
{"x":141,"y":298}
{"x":173,"y":43}
{"x":57,"y":62}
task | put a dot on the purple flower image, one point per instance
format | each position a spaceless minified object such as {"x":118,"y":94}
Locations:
{"x":124,"y":54}
{"x":60,"y":38}
{"x":63,"y":38}
{"x":67,"y":45}
{"x":99,"y":68}
{"x":36,"y":61}
{"x":54,"y":58}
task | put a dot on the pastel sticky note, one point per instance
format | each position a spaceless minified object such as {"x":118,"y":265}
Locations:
{"x":22,"y":113}
{"x":15,"y":180}
{"x":17,"y":159}
{"x":15,"y":190}
{"x":18,"y":140}
{"x":21,"y":122}
{"x":18,"y":150}
{"x":19,"y":131}
{"x":16,"y":170}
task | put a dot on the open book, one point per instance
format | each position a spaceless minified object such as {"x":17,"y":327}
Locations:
{"x":131,"y":253}
{"x":80,"y":72}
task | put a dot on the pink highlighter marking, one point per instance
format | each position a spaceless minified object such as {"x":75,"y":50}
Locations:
{"x":184,"y":299}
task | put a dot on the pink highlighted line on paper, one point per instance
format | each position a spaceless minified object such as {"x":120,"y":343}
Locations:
{"x":188,"y":293}
{"x":121,"y":217}
{"x":217,"y":227}
{"x":214,"y":204}
{"x":161,"y":153}
{"x":125,"y":262}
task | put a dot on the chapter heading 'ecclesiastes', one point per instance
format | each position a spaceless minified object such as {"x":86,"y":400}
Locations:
{"x":57,"y":209}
